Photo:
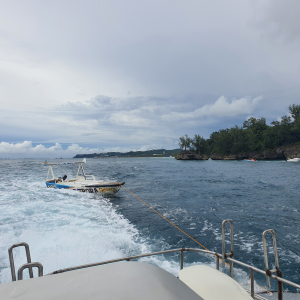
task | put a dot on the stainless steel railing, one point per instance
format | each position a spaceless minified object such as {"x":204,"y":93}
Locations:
{"x":182,"y":250}
{"x":224,"y":256}
{"x":11,"y":259}
{"x":30,"y":266}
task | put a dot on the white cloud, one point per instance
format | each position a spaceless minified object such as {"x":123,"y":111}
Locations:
{"x":27,"y":150}
{"x":116,"y":123}
{"x":130,"y":119}
{"x":52,"y":56}
{"x":15,"y":148}
{"x":221,"y":108}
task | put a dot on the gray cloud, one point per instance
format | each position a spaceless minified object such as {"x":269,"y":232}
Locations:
{"x":279,"y":20}
{"x":158,"y":69}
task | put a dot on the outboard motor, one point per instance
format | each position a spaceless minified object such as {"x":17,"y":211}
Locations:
{"x":65,"y":177}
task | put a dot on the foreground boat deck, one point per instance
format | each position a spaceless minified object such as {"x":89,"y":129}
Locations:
{"x":123,"y":280}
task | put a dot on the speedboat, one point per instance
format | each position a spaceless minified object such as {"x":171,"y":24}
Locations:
{"x":126,"y":278}
{"x":250,"y":159}
{"x":82,"y":182}
{"x":294,"y":159}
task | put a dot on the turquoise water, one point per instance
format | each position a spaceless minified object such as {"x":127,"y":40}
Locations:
{"x":68,"y":228}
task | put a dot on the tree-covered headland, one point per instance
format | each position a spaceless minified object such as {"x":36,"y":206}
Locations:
{"x":254,"y":135}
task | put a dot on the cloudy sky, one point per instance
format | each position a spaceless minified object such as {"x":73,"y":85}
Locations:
{"x":113,"y":75}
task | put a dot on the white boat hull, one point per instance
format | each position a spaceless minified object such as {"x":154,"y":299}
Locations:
{"x":105,"y":188}
{"x":296,"y":159}
{"x":84,"y":183}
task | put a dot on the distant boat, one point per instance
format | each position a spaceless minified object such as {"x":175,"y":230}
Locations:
{"x":250,"y":159}
{"x":82,"y":182}
{"x":294,"y":159}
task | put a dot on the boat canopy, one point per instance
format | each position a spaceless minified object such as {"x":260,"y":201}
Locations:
{"x":80,"y":168}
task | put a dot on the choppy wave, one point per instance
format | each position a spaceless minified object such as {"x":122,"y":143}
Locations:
{"x":66,"y":228}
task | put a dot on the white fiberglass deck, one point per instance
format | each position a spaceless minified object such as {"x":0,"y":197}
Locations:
{"x":123,"y":280}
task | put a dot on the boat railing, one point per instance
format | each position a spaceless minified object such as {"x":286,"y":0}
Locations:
{"x":11,"y":259}
{"x":90,"y":177}
{"x":218,"y":256}
{"x":30,"y":266}
{"x":223,"y":257}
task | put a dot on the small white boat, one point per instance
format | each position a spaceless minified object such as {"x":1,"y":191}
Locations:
{"x":82,"y":183}
{"x":294,"y":159}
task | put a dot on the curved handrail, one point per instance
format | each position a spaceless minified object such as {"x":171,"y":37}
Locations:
{"x":11,"y":259}
{"x":30,"y":266}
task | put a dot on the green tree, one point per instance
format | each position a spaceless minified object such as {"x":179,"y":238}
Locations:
{"x":295,"y":126}
{"x":199,"y":144}
{"x":221,"y":141}
{"x":284,"y":132}
{"x":185,"y":142}
{"x":295,"y":111}
{"x":189,"y":143}
{"x":255,"y":132}
{"x":239,"y":140}
{"x":254,"y":135}
{"x":275,"y":123}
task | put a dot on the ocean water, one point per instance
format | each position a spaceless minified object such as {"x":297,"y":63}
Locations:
{"x":67,"y":228}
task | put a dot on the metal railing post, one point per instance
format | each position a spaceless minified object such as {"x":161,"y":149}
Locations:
{"x":217,"y":261}
{"x":268,"y":271}
{"x":224,"y":254}
{"x":11,"y":259}
{"x":252,"y":283}
{"x":181,"y":258}
{"x":280,"y":286}
{"x":30,"y":266}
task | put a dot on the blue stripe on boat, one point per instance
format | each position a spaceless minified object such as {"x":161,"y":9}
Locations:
{"x":57,"y":186}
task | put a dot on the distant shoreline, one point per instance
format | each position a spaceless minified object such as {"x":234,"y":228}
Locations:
{"x":149,"y":153}
{"x":278,"y":153}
